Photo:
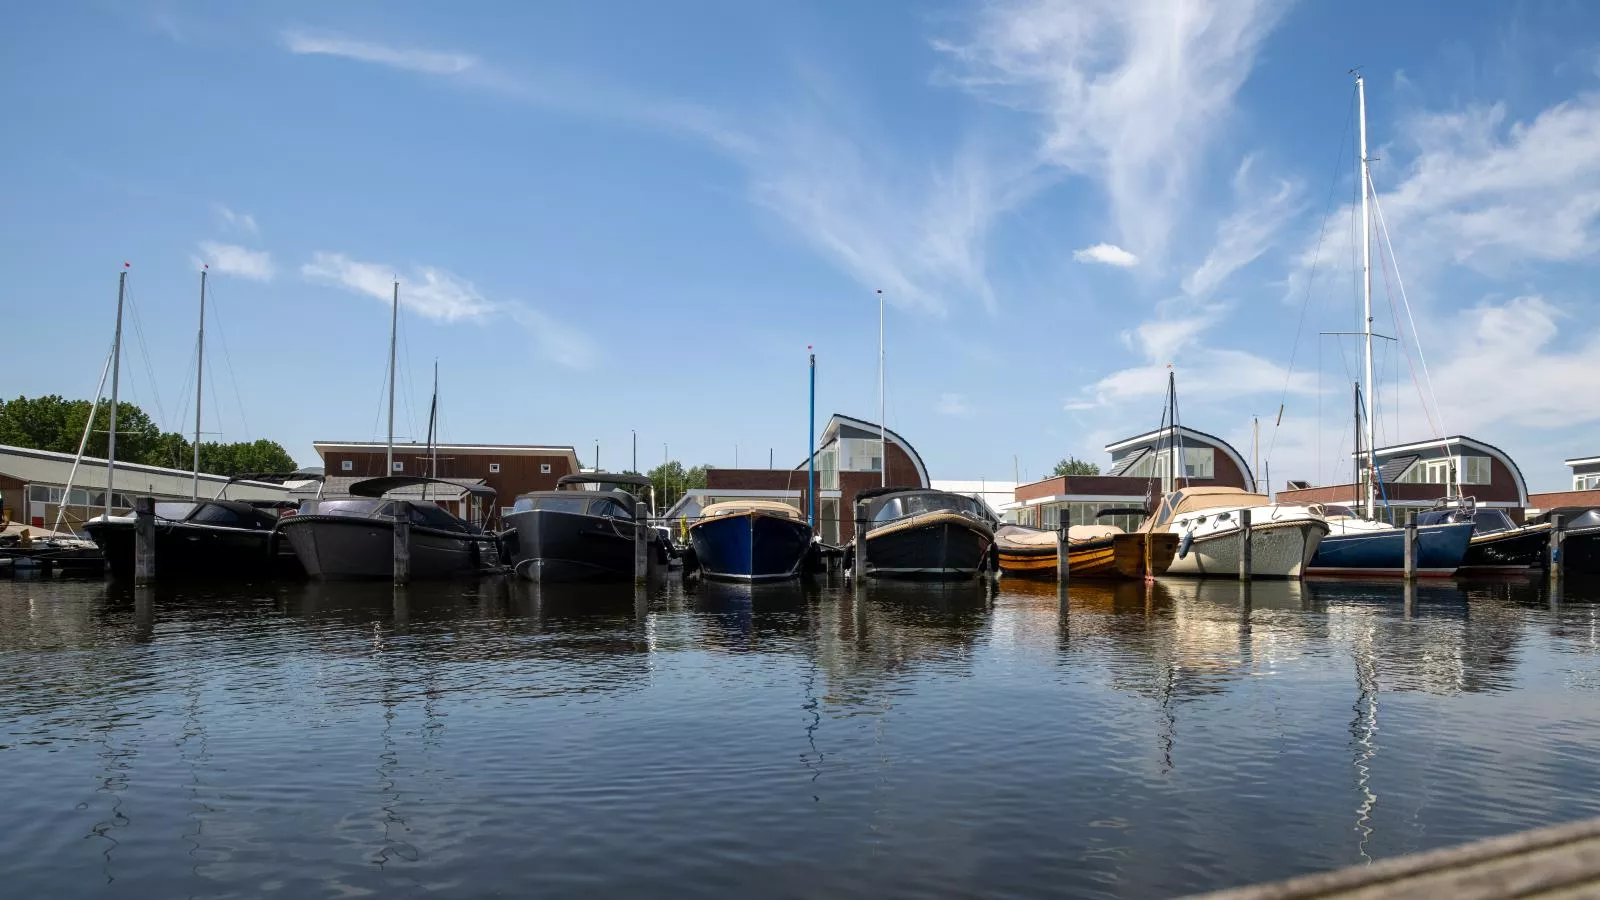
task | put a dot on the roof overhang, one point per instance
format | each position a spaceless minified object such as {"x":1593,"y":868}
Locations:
{"x":1186,"y":431}
{"x":1582,"y":461}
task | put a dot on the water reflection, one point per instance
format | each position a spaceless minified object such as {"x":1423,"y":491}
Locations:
{"x":1136,"y":739}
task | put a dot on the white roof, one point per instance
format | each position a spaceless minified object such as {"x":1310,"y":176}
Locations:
{"x":45,"y":467}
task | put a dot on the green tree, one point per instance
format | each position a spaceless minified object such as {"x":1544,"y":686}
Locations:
{"x":1075,"y":466}
{"x":671,"y":480}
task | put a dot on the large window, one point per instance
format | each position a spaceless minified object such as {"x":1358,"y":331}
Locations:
{"x":1199,"y":462}
{"x":860,"y":455}
{"x":1460,"y":470}
{"x":1083,"y":512}
{"x":1586,"y":482}
{"x":1475,"y":470}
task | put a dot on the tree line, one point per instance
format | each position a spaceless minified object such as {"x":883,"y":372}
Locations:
{"x":55,"y":423}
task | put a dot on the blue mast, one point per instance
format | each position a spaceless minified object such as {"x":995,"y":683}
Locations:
{"x":811,"y":460}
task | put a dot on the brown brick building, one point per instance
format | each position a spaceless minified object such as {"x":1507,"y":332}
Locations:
{"x":510,"y":469}
{"x":1417,"y":475}
{"x":849,"y":459}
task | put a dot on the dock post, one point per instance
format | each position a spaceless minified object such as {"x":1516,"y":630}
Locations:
{"x":402,"y":542}
{"x":1411,"y":545}
{"x":1063,"y":549}
{"x":860,"y":541}
{"x":144,"y":540}
{"x":1245,"y":560}
{"x":1557,"y":535}
{"x":641,"y":544}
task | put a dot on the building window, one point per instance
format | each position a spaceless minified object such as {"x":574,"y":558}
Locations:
{"x":494,"y":468}
{"x":1199,"y":462}
{"x":544,"y":468}
{"x":1585,"y":482}
{"x":347,"y":466}
{"x":397,"y":466}
{"x":1475,"y":470}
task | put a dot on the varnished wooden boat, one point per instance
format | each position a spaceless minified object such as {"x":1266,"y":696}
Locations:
{"x":1094,"y":551}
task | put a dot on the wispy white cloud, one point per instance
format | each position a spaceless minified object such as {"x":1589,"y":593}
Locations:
{"x":437,"y":294}
{"x":953,"y":404}
{"x":1106,"y":255}
{"x":231,"y":259}
{"x":1258,"y":218}
{"x":1132,"y":92}
{"x":428,"y":62}
{"x":237,"y":220}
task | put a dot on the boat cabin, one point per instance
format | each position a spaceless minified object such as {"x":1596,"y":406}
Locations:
{"x":891,"y":504}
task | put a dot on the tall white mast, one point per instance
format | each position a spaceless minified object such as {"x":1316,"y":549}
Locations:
{"x":1366,"y":293}
{"x":116,"y":372}
{"x":883,"y":444}
{"x":394,"y":324}
{"x":199,"y":376}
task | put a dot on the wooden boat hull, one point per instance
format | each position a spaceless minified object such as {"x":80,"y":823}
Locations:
{"x":930,"y":546}
{"x":337,"y":548}
{"x":1440,"y":551}
{"x":751,"y":547}
{"x":1114,"y":556}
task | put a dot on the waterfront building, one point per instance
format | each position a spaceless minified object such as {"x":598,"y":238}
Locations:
{"x":1585,"y":488}
{"x":1417,"y":475}
{"x":1142,"y":468}
{"x":510,"y":469}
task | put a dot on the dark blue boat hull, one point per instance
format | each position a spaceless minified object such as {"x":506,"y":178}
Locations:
{"x":1440,"y":551}
{"x":751,"y":547}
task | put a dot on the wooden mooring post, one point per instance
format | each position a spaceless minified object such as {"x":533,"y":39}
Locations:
{"x":859,"y":539}
{"x":1411,"y":545}
{"x":1246,"y":560}
{"x":1559,"y":861}
{"x":144,"y":540}
{"x":402,"y":543}
{"x":641,"y":543}
{"x":1064,"y":549}
{"x":1558,"y":532}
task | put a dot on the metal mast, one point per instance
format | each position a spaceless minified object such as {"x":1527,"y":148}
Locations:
{"x":199,"y":376}
{"x":116,"y":372}
{"x":811,"y":447}
{"x":1366,"y":286}
{"x":394,"y":325}
{"x":883,"y":444}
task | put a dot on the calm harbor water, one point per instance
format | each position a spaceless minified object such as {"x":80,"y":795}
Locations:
{"x":495,"y":739}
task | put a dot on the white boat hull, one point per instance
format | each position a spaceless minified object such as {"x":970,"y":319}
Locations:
{"x":1277,"y":550}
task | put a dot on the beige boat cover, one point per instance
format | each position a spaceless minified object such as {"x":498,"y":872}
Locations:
{"x":1029,"y":538}
{"x":738,"y":507}
{"x":1219,"y":497}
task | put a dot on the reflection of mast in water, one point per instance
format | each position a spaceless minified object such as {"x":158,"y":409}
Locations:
{"x":389,"y":759}
{"x":194,"y":730}
{"x":1363,"y":734}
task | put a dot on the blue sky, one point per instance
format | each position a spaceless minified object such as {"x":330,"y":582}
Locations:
{"x":638,"y":215}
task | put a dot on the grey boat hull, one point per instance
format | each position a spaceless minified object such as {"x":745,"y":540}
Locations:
{"x":347,"y":548}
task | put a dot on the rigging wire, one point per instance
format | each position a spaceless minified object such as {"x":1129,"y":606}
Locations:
{"x":215,"y":310}
{"x":1311,"y":278}
{"x":1396,"y":314}
{"x":144,"y":353}
{"x":1383,"y":229}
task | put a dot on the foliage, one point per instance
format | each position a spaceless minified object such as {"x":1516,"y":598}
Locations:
{"x":1075,"y":466}
{"x":56,"y":424}
{"x":671,"y":480}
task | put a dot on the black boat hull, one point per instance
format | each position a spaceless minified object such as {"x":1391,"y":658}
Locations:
{"x":1510,"y":551}
{"x":554,"y":545}
{"x":1580,"y":552}
{"x":337,"y":548}
{"x":187,"y":550}
{"x":945,"y":548}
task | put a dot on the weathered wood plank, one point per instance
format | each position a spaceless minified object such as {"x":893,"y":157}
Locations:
{"x":1553,"y":863}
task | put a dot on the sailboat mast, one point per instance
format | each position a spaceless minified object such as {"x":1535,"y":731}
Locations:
{"x":1366,"y":281}
{"x":199,"y":376}
{"x":883,"y":444}
{"x":811,"y":448}
{"x":433,"y":420}
{"x":394,"y":324}
{"x":116,"y":372}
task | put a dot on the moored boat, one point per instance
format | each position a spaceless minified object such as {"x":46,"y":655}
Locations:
{"x":338,"y":539}
{"x":1498,"y":546}
{"x":1580,"y":539}
{"x":205,"y":539}
{"x":1093,"y":551}
{"x":1362,"y":547}
{"x":751,"y":540}
{"x":1206,"y":521}
{"x":583,"y":530}
{"x":918,"y":533}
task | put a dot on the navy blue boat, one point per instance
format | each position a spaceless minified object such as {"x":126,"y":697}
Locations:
{"x":1355,"y":546}
{"x":751,"y":540}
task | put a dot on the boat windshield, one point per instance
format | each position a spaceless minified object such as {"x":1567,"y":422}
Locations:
{"x":176,"y":512}
{"x":916,"y":504}
{"x":1489,"y":521}
{"x":365,"y":508}
{"x":1334,"y":512}
{"x":607,"y":504}
{"x":576,"y":504}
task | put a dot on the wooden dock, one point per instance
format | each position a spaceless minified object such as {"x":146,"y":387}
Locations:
{"x":1558,"y":862}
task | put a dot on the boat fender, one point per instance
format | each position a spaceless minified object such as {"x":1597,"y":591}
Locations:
{"x":1183,"y":545}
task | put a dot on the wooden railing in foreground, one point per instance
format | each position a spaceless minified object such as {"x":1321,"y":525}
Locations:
{"x":1557,"y":862}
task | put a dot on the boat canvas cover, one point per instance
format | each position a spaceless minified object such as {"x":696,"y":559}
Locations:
{"x":737,"y":507}
{"x":1030,"y":537}
{"x":1194,"y":499}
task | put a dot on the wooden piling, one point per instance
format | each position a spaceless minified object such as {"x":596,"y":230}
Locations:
{"x":402,"y":542}
{"x":1245,"y":557}
{"x":1411,"y":545}
{"x":641,"y":543}
{"x":860,"y":540}
{"x":1558,"y":532}
{"x":1063,"y":548}
{"x":144,"y":540}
